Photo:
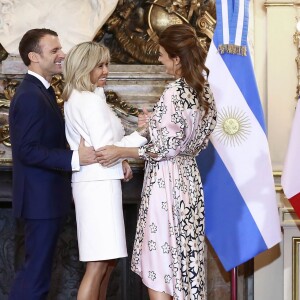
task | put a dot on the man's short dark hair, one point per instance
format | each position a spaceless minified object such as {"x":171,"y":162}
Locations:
{"x":30,"y":42}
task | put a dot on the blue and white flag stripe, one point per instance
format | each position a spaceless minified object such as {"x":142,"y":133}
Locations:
{"x":240,"y":21}
{"x":241,"y":210}
{"x":236,"y":65}
{"x":222,"y":15}
{"x":234,"y":17}
{"x":230,"y":227}
{"x":248,"y":163}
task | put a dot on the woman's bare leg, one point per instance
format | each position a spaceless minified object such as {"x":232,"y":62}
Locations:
{"x":105,"y":280}
{"x":154,"y":295}
{"x":90,"y":285}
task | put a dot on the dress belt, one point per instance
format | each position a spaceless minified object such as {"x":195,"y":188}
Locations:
{"x":186,"y":154}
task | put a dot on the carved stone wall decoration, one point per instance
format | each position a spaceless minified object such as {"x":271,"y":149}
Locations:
{"x":75,"y":21}
{"x":132,"y":31}
{"x":5,"y":96}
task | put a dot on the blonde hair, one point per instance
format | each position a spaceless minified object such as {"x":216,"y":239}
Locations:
{"x":79,"y":63}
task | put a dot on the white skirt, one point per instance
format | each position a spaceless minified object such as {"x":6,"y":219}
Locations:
{"x":99,"y":217}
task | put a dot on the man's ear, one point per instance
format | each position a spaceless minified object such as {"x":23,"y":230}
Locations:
{"x":33,"y":56}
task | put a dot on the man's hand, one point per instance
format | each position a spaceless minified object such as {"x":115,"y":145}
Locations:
{"x":126,"y":171}
{"x":87,"y":155}
{"x":108,"y":155}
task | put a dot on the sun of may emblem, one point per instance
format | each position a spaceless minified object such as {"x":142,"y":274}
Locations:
{"x":232,"y":127}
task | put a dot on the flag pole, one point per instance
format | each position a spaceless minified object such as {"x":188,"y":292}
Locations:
{"x":234,"y":284}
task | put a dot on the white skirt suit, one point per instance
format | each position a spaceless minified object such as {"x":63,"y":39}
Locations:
{"x":97,"y":190}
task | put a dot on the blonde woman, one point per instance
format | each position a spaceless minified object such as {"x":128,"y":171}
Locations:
{"x":96,"y":189}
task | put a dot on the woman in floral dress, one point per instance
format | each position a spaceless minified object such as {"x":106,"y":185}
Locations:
{"x":169,"y":244}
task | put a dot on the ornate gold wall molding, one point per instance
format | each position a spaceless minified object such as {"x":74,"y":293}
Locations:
{"x":122,"y":108}
{"x":280,"y":3}
{"x":296,"y":40}
{"x":132,"y":31}
{"x":274,"y":4}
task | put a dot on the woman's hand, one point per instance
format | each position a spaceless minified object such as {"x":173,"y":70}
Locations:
{"x":126,"y":171}
{"x":108,"y":155}
{"x":143,"y":118}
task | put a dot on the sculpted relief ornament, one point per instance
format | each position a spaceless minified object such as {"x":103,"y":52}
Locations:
{"x":130,"y":30}
{"x":75,"y":21}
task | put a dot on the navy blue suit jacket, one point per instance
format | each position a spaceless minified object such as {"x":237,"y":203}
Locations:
{"x":41,"y":161}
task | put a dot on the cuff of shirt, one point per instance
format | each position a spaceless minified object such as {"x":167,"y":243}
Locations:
{"x":75,"y":161}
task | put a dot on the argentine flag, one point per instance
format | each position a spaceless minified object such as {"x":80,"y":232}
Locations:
{"x":242,"y":217}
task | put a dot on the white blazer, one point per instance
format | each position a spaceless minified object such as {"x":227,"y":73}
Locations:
{"x":88,"y":115}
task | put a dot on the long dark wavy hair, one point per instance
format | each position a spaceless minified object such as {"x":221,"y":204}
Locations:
{"x":181,"y":40}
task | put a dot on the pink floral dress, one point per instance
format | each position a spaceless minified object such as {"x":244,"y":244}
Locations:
{"x":169,"y":244}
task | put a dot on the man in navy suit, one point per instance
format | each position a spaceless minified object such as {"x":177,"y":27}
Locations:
{"x":41,"y":162}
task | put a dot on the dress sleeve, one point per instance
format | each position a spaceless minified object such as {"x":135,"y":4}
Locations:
{"x":170,"y":126}
{"x":209,"y":120}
